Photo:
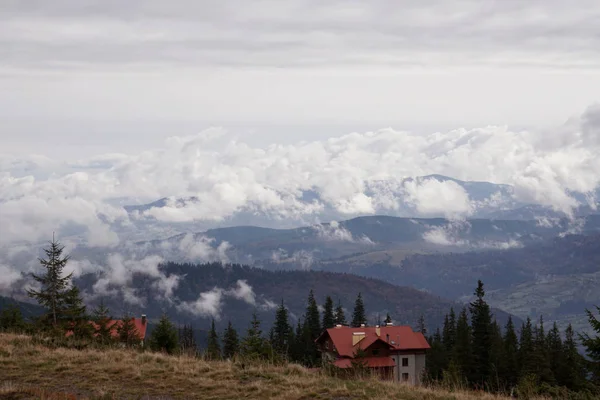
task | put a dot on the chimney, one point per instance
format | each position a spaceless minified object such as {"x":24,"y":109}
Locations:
{"x":387,"y":338}
{"x":377,"y":330}
{"x":390,"y":324}
{"x":143,"y":319}
{"x":338,"y":326}
{"x":362,"y":325}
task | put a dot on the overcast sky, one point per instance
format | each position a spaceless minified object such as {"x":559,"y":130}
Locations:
{"x":80,"y":78}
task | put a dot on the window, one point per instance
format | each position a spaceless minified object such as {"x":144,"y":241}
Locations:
{"x":405,"y":377}
{"x":405,"y":362}
{"x":327,"y":344}
{"x":375,"y":352}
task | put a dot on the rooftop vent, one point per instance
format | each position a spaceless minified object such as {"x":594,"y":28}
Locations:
{"x":338,"y":326}
{"x":143,"y":319}
{"x":390,"y":324}
{"x":362,"y":325}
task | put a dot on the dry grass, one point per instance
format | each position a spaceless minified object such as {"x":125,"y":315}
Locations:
{"x":29,"y":370}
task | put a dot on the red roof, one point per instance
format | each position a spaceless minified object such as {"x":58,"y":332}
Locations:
{"x":397,"y":337}
{"x":115,"y":323}
{"x":371,"y":362}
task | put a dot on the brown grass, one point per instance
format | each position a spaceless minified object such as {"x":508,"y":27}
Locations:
{"x":32,"y":371}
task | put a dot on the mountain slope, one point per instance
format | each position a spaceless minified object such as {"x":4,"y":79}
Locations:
{"x":27,"y":309}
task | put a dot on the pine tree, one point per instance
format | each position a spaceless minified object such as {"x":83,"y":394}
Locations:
{"x":421,"y":325}
{"x":328,"y":316}
{"x":573,"y":372}
{"x":592,"y":345}
{"x":436,"y":358}
{"x":104,"y":324}
{"x":462,"y":353}
{"x":358,"y":316}
{"x":187,"y":340}
{"x":481,"y":319}
{"x":542,"y":362}
{"x":213,"y":350}
{"x":281,"y":331}
{"x":496,"y":380}
{"x":54,"y":286}
{"x":254,"y":345}
{"x":526,"y":351}
{"x":511,"y":355}
{"x":388,"y":319}
{"x":230,"y":342}
{"x":297,"y":349}
{"x":555,"y":351}
{"x":164,"y":337}
{"x":313,"y":319}
{"x":449,"y":330}
{"x":340,"y":317}
{"x":74,"y":312}
{"x":127,"y":332}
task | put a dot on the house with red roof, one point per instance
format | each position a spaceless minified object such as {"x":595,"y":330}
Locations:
{"x":141,"y":324}
{"x":395,"y":352}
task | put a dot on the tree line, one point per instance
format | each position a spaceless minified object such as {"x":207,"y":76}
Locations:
{"x":472,"y":350}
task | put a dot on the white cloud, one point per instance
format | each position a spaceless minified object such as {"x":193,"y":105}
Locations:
{"x":8,"y":277}
{"x":243,"y":291}
{"x":432,"y":197}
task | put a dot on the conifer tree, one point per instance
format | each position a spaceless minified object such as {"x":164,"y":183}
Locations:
{"x":230,"y":342}
{"x":481,"y":319}
{"x":526,"y":350}
{"x":187,"y":340}
{"x":104,"y":323}
{"x":573,"y":371}
{"x":388,"y":319}
{"x":555,"y":351}
{"x":313,"y":319}
{"x":359,"y":316}
{"x":421,"y":326}
{"x":340,"y":317}
{"x":436,"y":358}
{"x":542,"y":362}
{"x":496,"y":378}
{"x":11,"y":319}
{"x":74,"y":312}
{"x":127,"y":332}
{"x":213,"y":350}
{"x":592,"y":345}
{"x":281,"y":331}
{"x":54,"y":286}
{"x":511,"y":355}
{"x":462,"y":352}
{"x":164,"y":337}
{"x":253,"y":344}
{"x":449,"y":330}
{"x":328,"y":315}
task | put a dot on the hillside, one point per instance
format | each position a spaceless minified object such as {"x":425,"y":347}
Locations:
{"x":203,"y":283}
{"x":27,"y":309}
{"x":31,"y":371}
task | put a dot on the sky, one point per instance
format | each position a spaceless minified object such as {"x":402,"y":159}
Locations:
{"x":245,"y":105}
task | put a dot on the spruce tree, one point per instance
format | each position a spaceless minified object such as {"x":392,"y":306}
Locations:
{"x":388,"y":319}
{"x":526,"y":351}
{"x":592,"y":345}
{"x":297,"y":348}
{"x":481,"y":319}
{"x":127,"y":332}
{"x":164,"y":336}
{"x":359,"y":316}
{"x":254,"y":345}
{"x":555,"y":351}
{"x":462,"y":356}
{"x":340,"y":317}
{"x":313,"y":319}
{"x":328,"y":316}
{"x":54,"y":287}
{"x":436,"y":358}
{"x":11,"y":319}
{"x":511,"y":355}
{"x":497,"y":372}
{"x":230,"y":342}
{"x":213,"y":349}
{"x":187,"y":340}
{"x":104,"y":323}
{"x":421,"y":327}
{"x":573,"y":371}
{"x":281,"y":331}
{"x":74,"y":313}
{"x":542,"y":362}
{"x":449,"y":330}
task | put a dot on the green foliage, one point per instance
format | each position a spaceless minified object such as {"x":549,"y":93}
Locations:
{"x":11,"y":319}
{"x":281,"y":332}
{"x":421,"y":327}
{"x":254,"y":345}
{"x":230,"y":342}
{"x":104,"y":324}
{"x":359,"y":316}
{"x":510,"y":362}
{"x":449,"y":330}
{"x":340,"y":317}
{"x":127,"y":332}
{"x":481,"y":320}
{"x":313,"y":319}
{"x":187,"y":340}
{"x":461,"y":354}
{"x":213,"y":350}
{"x":164,"y":336}
{"x":55,"y":291}
{"x":328,"y":315}
{"x":592,"y":345}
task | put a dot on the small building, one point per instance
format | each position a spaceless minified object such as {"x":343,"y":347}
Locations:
{"x":395,"y":352}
